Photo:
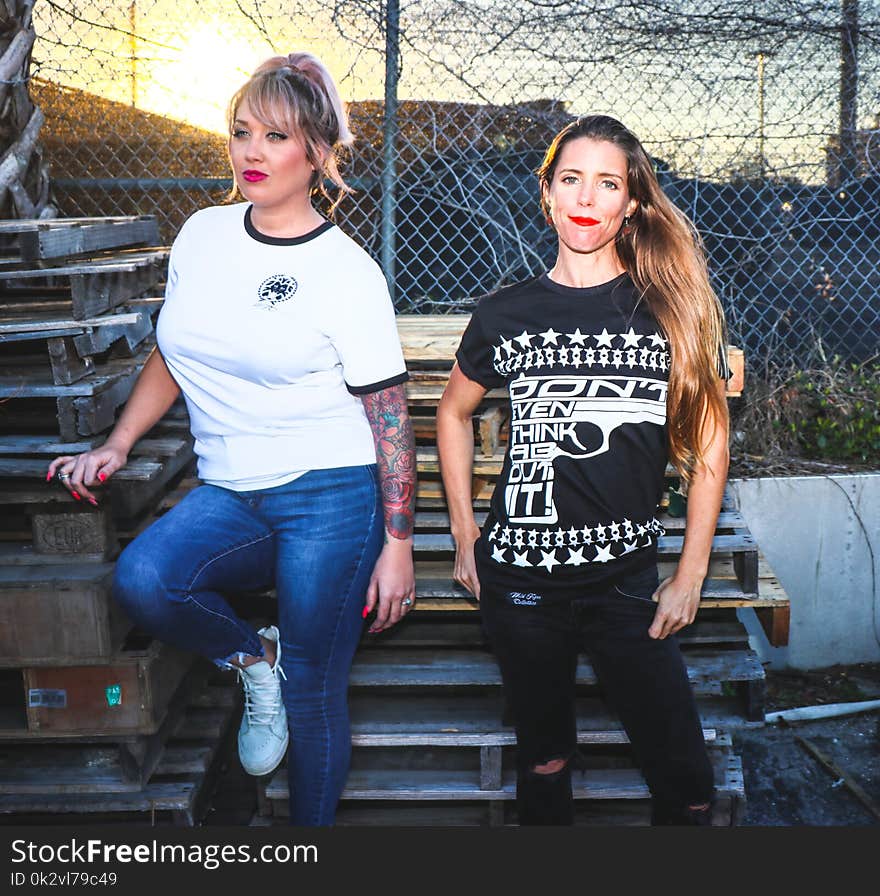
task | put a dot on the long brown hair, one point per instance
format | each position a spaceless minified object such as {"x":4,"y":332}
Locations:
{"x":663,"y":254}
{"x":297,"y":95}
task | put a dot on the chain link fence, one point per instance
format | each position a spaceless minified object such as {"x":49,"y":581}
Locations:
{"x":762,"y":118}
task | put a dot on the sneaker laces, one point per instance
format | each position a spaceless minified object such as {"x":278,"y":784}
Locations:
{"x":262,"y":702}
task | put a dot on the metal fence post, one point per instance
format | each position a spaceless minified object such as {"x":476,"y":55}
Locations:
{"x":389,"y":143}
{"x":849,"y":89}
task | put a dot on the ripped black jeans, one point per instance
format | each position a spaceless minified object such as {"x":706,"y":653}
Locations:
{"x":643,"y":680}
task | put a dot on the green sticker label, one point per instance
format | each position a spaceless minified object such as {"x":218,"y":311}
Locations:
{"x":114,"y":694}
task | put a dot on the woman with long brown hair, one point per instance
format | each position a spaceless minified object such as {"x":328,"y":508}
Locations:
{"x":615,"y":364}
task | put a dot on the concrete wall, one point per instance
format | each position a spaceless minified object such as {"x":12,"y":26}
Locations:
{"x":821,"y":536}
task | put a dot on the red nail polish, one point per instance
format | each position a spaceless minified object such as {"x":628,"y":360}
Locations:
{"x":366,"y":612}
{"x":93,"y":502}
{"x":48,"y":477}
{"x":75,"y":495}
{"x":102,"y":477}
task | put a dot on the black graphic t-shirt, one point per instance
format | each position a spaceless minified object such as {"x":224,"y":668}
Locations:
{"x":586,"y":372}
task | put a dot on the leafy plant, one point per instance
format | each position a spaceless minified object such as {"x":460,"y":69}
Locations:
{"x":839,"y":412}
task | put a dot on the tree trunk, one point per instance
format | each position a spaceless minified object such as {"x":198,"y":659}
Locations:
{"x":24,"y":180}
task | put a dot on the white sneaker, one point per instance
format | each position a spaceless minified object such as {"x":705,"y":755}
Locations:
{"x":263,"y":737}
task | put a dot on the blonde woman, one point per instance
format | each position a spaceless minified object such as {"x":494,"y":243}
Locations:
{"x":615,"y":363}
{"x":279,"y":331}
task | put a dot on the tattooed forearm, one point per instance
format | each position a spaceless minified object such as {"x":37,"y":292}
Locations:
{"x":396,"y":457}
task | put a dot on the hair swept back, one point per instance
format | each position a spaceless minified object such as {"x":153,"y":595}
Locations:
{"x":297,"y":95}
{"x":663,"y":254}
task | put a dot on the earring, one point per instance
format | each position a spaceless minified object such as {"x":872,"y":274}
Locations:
{"x":626,"y":220}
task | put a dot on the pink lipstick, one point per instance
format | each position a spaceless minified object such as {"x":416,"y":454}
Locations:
{"x":583,"y":222}
{"x":252,"y":176}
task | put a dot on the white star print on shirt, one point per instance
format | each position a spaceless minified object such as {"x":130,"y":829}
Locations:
{"x":576,"y":558}
{"x":550,"y":337}
{"x":520,"y":559}
{"x":577,"y":338}
{"x":549,"y":560}
{"x":603,"y":555}
{"x":630,"y":339}
{"x":498,"y":555}
{"x":604,"y":338}
{"x":524,"y":339}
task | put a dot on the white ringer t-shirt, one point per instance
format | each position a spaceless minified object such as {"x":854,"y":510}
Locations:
{"x":271,"y":341}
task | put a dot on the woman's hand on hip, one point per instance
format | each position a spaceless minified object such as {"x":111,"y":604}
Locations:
{"x":677,"y":603}
{"x":78,"y":473}
{"x":392,"y":588}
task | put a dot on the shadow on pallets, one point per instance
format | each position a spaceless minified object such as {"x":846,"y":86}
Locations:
{"x":111,"y":744}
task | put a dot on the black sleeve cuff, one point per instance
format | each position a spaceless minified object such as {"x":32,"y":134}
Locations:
{"x":378,"y":387}
{"x":471,"y":373}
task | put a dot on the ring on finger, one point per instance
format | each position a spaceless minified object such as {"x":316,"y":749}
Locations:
{"x":63,"y":476}
{"x":406,"y":602}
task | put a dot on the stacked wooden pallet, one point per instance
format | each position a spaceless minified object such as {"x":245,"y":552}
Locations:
{"x":86,"y":705}
{"x":431,"y":742}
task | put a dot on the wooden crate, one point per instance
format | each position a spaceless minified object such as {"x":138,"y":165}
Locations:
{"x":127,"y":696}
{"x":57,"y":614}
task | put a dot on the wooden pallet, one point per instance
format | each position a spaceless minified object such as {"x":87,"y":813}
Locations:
{"x":84,"y":288}
{"x":172,"y":771}
{"x":70,"y":349}
{"x":83,"y":408}
{"x":36,"y":239}
{"x":607,"y":790}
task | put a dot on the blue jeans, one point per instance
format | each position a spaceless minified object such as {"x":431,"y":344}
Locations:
{"x":316,"y":539}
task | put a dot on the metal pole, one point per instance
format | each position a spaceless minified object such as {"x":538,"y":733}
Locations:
{"x":132,"y":46}
{"x":849,"y":88}
{"x":761,"y":114}
{"x":389,"y":143}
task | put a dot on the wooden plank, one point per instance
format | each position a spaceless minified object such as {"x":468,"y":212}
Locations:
{"x":66,"y":363}
{"x":490,"y":768}
{"x":119,"y":263}
{"x":80,"y":238}
{"x":393,"y":667}
{"x":776,"y":622}
{"x":23,"y":225}
{"x":422,"y":720}
{"x":389,"y":784}
{"x":36,"y":326}
{"x":28,"y":383}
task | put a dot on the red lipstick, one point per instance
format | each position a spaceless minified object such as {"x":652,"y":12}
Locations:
{"x":252,"y":176}
{"x":583,"y":222}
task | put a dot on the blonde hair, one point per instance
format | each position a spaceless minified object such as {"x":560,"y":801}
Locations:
{"x":663,"y":254}
{"x":297,"y":95}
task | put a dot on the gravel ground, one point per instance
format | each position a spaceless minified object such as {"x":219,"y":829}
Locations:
{"x":785,"y":785}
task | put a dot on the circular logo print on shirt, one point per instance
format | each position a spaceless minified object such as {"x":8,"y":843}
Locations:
{"x":276,"y":290}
